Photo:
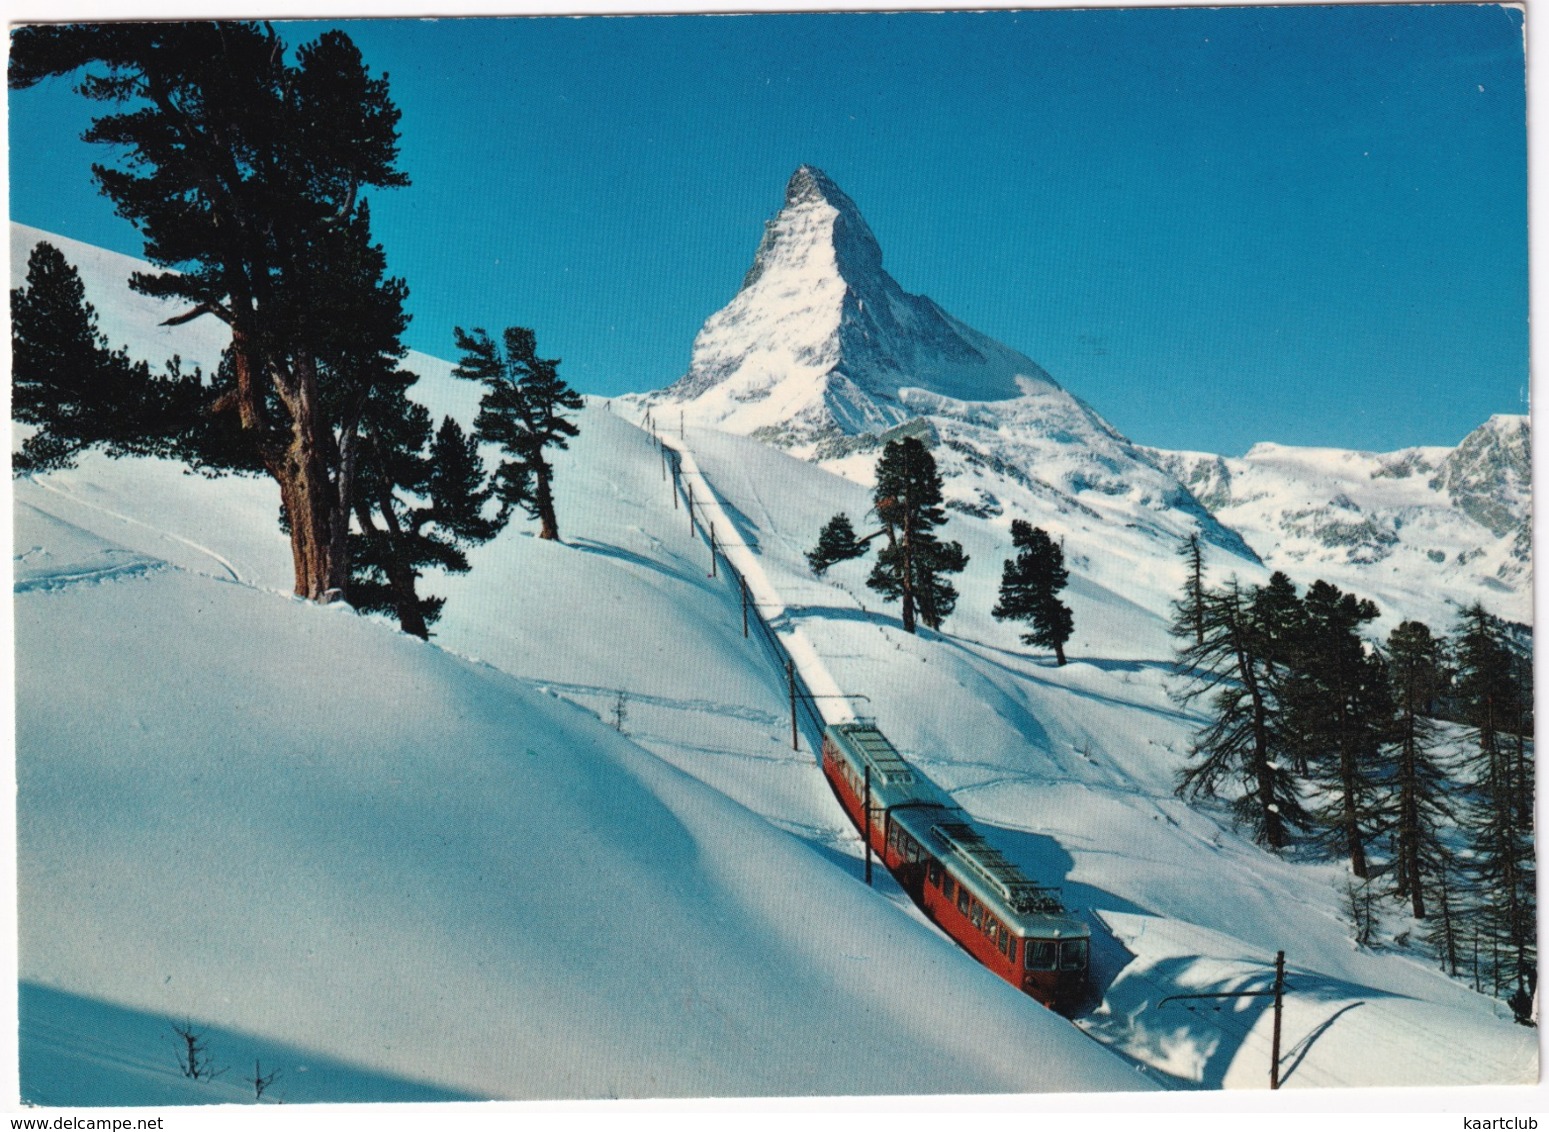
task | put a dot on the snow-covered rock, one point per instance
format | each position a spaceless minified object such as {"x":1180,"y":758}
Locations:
{"x":820,"y":340}
{"x":822,"y":353}
{"x":1422,"y":531}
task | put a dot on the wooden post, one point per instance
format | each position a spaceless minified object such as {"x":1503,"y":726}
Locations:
{"x":674,"y":463}
{"x":692,"y":529}
{"x":744,"y":582}
{"x":868,"y":825}
{"x":712,"y":550}
{"x":662,"y":449}
{"x":790,"y":678}
{"x":1274,"y":1054}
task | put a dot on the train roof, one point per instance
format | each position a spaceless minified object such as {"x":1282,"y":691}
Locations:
{"x":894,"y":780}
{"x":934,"y":819}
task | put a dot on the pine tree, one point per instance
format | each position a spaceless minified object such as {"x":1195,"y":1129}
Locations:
{"x":1502,"y":865}
{"x":1240,"y":745}
{"x":243,"y":173}
{"x":1444,"y":933}
{"x":836,"y":543}
{"x":911,"y":568}
{"x":1420,"y":784}
{"x":1030,"y":586}
{"x":1337,"y":707}
{"x":432,"y":497}
{"x":523,"y":412}
{"x":75,"y":390}
{"x":1189,"y":609}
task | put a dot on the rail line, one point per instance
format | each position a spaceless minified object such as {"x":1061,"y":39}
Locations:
{"x":808,"y":678}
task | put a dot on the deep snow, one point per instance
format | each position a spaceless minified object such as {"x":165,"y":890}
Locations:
{"x":432,"y":875}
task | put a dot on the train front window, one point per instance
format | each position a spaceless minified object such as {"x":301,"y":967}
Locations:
{"x":1073,"y":955}
{"x":1041,"y":954}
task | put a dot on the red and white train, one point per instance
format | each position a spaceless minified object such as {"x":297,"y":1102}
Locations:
{"x":1015,"y":927}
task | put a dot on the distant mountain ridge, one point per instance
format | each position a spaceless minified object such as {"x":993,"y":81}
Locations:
{"x":1421,"y":530}
{"x":1426,"y":528}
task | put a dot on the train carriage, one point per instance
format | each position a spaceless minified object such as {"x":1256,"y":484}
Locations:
{"x":1014,"y":926}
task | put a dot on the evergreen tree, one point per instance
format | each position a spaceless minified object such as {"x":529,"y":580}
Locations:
{"x":432,"y":498}
{"x":523,"y":412}
{"x":1030,"y":586}
{"x":1502,"y":865}
{"x":911,"y":568}
{"x":243,"y":173}
{"x":74,"y":390}
{"x":1337,"y":706}
{"x":1240,"y":745}
{"x":1444,"y":933}
{"x":1420,"y":784}
{"x":836,"y":543}
{"x":1189,"y":609}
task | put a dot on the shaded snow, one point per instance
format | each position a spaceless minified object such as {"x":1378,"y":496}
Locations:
{"x":285,"y":821}
{"x":414,"y":847}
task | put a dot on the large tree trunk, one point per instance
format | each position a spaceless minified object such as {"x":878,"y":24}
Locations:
{"x":543,"y":500}
{"x":1274,"y":827}
{"x":316,"y":508}
{"x":312,"y":501}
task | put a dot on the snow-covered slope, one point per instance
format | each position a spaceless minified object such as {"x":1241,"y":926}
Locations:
{"x":323,"y":839}
{"x":1072,"y":769}
{"x":422,"y":875}
{"x":1422,"y":531}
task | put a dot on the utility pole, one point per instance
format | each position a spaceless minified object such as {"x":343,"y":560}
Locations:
{"x":1274,"y":1054}
{"x":868,"y":826}
{"x":790,"y":679}
{"x":1277,"y":991}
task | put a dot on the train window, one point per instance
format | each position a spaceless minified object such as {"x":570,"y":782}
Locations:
{"x":1073,"y":955}
{"x":933,"y":871}
{"x":1011,"y":950}
{"x":912,"y":849}
{"x":948,"y":885}
{"x":976,"y":913}
{"x":1041,"y":954}
{"x":892,"y":836}
{"x":963,"y":900}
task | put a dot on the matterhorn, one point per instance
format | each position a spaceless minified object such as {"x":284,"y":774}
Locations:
{"x":823,"y":354}
{"x":820,"y":342}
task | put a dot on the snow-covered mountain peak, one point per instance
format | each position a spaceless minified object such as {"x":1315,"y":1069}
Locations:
{"x":819,"y":227}
{"x":820,"y":340}
{"x":1490,"y":475}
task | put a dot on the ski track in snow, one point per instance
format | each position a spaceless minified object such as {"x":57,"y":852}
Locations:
{"x":66,"y":578}
{"x":231,"y":571}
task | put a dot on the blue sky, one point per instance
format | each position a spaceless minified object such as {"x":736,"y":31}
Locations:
{"x":1301,"y":224}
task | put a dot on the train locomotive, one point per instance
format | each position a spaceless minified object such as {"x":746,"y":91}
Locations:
{"x":1012,"y":925}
